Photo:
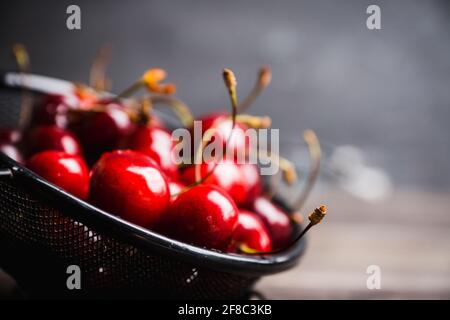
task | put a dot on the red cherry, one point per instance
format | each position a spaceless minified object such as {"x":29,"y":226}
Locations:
{"x":238,"y":142}
{"x":43,"y":138}
{"x":52,"y":110}
{"x":68,"y":172}
{"x":130,"y":185}
{"x":175,"y":188}
{"x":9,"y":136}
{"x":12,"y":152}
{"x":157,"y":144}
{"x":252,"y":181}
{"x":102,"y":131}
{"x":276,"y":221}
{"x":226,"y":175}
{"x":251,"y":232}
{"x":8,"y":140}
{"x":204,"y":215}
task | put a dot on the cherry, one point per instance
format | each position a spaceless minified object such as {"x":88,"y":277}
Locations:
{"x":10,"y":136}
{"x":252,"y":180}
{"x":156,"y":143}
{"x":67,"y":171}
{"x":236,"y":139}
{"x":175,"y":188}
{"x":12,"y":152}
{"x":276,"y":220}
{"x":204,"y":215}
{"x":43,"y":138}
{"x":101,"y":131}
{"x":52,"y":110}
{"x":226,"y":174}
{"x":130,"y":185}
{"x":250,"y":234}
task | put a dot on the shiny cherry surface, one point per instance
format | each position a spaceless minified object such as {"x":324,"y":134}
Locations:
{"x":131,"y":185}
{"x":238,"y":142}
{"x":102,"y":131}
{"x":251,"y":232}
{"x":157,"y":144}
{"x":276,"y":221}
{"x":204,"y":216}
{"x":226,"y":175}
{"x":69,"y":172}
{"x":52,"y":110}
{"x":252,"y":180}
{"x":43,"y":138}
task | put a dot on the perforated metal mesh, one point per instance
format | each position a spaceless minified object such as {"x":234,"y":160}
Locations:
{"x":107,"y":265}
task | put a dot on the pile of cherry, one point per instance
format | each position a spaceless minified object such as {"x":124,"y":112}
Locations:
{"x":115,"y":154}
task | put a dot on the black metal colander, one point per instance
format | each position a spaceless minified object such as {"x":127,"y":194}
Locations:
{"x":43,"y":230}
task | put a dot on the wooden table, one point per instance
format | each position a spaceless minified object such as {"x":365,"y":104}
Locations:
{"x":407,"y":236}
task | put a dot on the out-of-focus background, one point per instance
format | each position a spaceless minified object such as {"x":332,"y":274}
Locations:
{"x":378,"y":99}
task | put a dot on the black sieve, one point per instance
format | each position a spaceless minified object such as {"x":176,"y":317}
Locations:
{"x":43,"y":230}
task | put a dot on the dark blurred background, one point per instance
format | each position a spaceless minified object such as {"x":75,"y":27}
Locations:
{"x":379,"y":100}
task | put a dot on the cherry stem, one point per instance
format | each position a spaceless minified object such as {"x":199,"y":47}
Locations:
{"x":262,"y":81}
{"x":315,"y":154}
{"x":97,"y":75}
{"x":230,"y":83}
{"x":23,"y":63}
{"x":181,"y":110}
{"x":151,"y":79}
{"x":315,"y":218}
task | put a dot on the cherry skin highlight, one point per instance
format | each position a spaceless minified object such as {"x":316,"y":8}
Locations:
{"x":9,"y":138}
{"x":226,"y":175}
{"x":252,"y":180}
{"x":52,"y":110}
{"x":175,"y":188}
{"x":236,"y":139}
{"x":131,"y":185}
{"x":276,"y":221}
{"x":157,"y":144}
{"x":204,"y":216}
{"x":102,"y":131}
{"x":43,"y":138}
{"x":69,"y":172}
{"x":250,"y":232}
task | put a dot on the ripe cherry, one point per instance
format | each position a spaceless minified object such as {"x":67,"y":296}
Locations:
{"x":250,"y":234}
{"x":204,"y":215}
{"x":131,"y":185}
{"x":157,"y":144}
{"x":8,"y":144}
{"x":10,"y":136}
{"x":252,"y":180}
{"x":226,"y":174}
{"x":236,"y":139}
{"x":52,"y":110}
{"x":67,"y":171}
{"x":43,"y":138}
{"x":276,"y":220}
{"x":175,"y":188}
{"x":101,"y":131}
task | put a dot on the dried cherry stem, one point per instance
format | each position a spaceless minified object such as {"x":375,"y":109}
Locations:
{"x":230,"y":83}
{"x":254,"y":122}
{"x":23,"y":63}
{"x":263,"y":80}
{"x":97,"y":75}
{"x":180,"y":109}
{"x":315,"y":154}
{"x":151,"y":80}
{"x":315,"y":217}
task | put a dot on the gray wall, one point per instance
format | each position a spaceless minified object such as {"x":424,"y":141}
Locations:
{"x":385,"y":91}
